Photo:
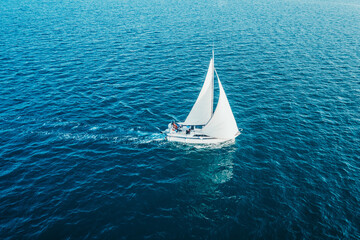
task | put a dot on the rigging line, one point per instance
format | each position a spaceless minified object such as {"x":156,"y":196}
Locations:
{"x":213,"y":53}
{"x":216,"y":74}
{"x":213,"y":112}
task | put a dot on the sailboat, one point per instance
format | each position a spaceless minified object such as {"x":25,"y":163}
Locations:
{"x":203,"y":125}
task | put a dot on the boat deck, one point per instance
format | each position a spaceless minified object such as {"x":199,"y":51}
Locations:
{"x":195,"y":136}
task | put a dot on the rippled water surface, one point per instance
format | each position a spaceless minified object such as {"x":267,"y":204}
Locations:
{"x":85,"y":85}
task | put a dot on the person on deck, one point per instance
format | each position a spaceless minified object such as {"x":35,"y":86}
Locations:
{"x":175,"y":126}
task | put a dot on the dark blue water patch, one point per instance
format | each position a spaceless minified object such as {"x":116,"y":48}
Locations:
{"x":86,"y":86}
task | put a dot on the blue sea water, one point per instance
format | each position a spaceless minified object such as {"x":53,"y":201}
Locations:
{"x":85,"y":85}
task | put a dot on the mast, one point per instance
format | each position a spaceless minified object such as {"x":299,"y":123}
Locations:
{"x":213,"y":87}
{"x":213,"y":53}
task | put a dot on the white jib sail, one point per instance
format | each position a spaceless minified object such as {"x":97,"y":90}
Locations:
{"x":222,"y":124}
{"x":202,"y":110}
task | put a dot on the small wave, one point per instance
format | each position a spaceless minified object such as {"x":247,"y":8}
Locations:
{"x":154,"y":137}
{"x":9,"y":170}
{"x":128,"y":137}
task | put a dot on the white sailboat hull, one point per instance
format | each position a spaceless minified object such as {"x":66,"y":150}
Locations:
{"x":195,"y":140}
{"x":194,"y":137}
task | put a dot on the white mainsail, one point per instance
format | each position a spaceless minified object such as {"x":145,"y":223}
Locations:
{"x":222,"y":124}
{"x":202,"y":110}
